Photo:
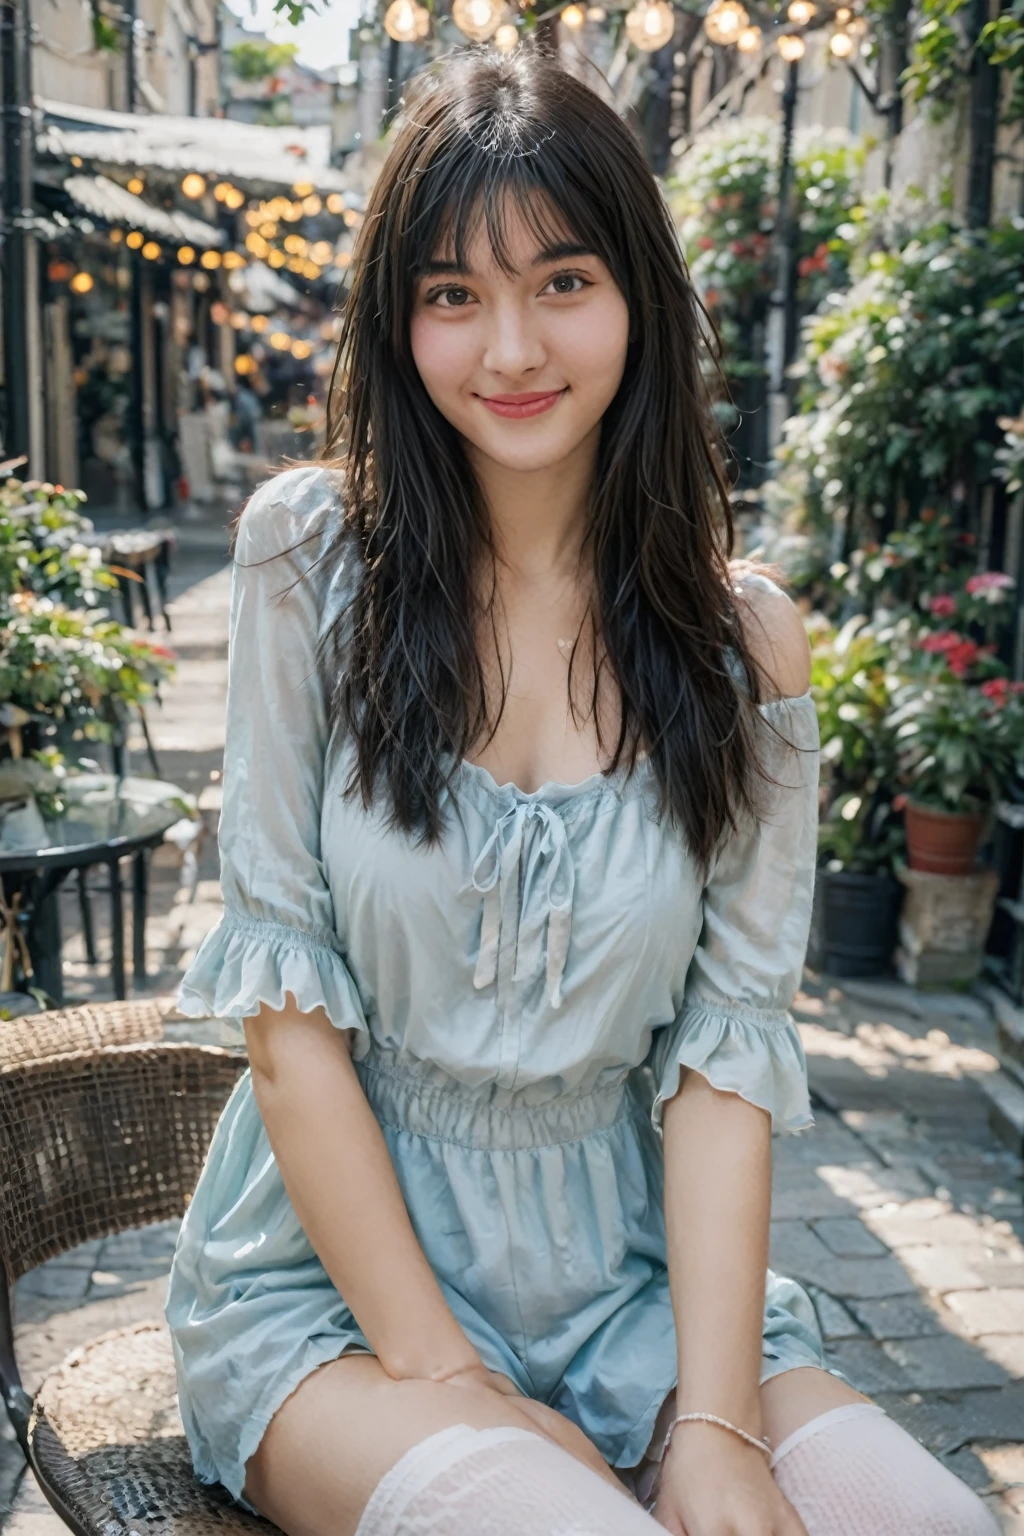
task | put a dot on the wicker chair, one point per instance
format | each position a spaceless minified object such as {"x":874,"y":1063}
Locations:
{"x":105,"y":1126}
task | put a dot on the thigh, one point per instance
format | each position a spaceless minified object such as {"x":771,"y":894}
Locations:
{"x":349,"y":1423}
{"x":794,"y":1398}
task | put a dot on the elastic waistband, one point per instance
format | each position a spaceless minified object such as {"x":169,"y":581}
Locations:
{"x":427,"y":1103}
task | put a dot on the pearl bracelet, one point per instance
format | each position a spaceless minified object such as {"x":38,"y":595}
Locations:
{"x":712,"y":1418}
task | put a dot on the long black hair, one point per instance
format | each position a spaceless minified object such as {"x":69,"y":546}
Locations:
{"x":482,"y":135}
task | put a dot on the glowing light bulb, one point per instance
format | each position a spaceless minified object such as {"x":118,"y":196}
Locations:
{"x":572,"y":17}
{"x":151,"y":250}
{"x":186,"y":255}
{"x":136,"y":185}
{"x":406,"y":21}
{"x":478,"y":19}
{"x":506,"y":37}
{"x":134,"y":241}
{"x":193,"y":185}
{"x":725,"y":21}
{"x":649,"y":26}
{"x":801,"y":12}
{"x":841,"y":45}
{"x":82,"y":282}
{"x":792,"y":47}
{"x":749,"y":40}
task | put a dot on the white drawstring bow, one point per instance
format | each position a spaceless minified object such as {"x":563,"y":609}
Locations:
{"x":540,"y":891}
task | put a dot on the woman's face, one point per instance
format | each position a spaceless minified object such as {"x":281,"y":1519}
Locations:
{"x":524,"y":367}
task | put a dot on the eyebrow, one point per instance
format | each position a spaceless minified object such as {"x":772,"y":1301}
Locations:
{"x":561,"y":251}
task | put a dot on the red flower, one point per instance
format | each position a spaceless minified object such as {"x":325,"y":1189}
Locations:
{"x":943,"y":605}
{"x":705,"y":243}
{"x":959,"y":658}
{"x":996,"y":688}
{"x":940,"y":640}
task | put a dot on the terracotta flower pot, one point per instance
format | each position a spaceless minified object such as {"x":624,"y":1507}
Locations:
{"x":942,"y":842}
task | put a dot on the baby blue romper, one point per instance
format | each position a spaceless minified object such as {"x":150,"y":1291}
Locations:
{"x":520,"y":1001}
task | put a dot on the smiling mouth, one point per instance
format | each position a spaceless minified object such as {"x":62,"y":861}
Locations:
{"x":517,"y":406}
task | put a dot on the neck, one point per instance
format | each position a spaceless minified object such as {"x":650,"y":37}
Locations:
{"x":539,"y":517}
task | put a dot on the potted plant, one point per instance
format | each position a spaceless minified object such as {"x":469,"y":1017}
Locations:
{"x":856,"y":899}
{"x":69,"y":673}
{"x":959,"y":744}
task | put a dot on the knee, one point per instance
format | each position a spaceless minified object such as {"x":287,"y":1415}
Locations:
{"x":868,"y":1477}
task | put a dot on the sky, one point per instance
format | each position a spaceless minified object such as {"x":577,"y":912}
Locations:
{"x":322,"y":37}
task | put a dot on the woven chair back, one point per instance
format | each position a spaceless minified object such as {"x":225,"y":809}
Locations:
{"x":95,"y":1141}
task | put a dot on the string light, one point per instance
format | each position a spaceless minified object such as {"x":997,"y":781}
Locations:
{"x":749,"y":40}
{"x":321,"y":251}
{"x":596,"y":13}
{"x":210,"y":260}
{"x":343,"y":259}
{"x":842,"y":16}
{"x":256,"y":244}
{"x":239,"y":321}
{"x":335,"y":203}
{"x":244,"y":364}
{"x":133,"y":240}
{"x":259,"y":324}
{"x":841,"y":45}
{"x":311,"y":205}
{"x":76,"y":161}
{"x":276,"y":259}
{"x":478,"y":19}
{"x":649,"y":26}
{"x":116,"y":236}
{"x":792,"y":47}
{"x":801,"y":12}
{"x":310,"y":270}
{"x":506,"y":38}
{"x":136,"y":185}
{"x":193,"y":185}
{"x":186,"y":255}
{"x":725,"y":21}
{"x":82,"y":282}
{"x":151,"y":250}
{"x":301,"y":189}
{"x":234,"y":199}
{"x":233,"y":261}
{"x":280,"y":341}
{"x":301,"y":349}
{"x":221,"y":190}
{"x":573,"y":17}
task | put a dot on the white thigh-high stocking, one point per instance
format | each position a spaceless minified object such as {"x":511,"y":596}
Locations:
{"x":855,"y":1472}
{"x":497,"y":1482}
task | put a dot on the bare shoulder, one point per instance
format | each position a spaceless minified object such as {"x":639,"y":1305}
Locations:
{"x":775,"y":635}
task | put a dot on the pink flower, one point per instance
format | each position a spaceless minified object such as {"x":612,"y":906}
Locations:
{"x":996,"y":688}
{"x":988,"y":581}
{"x":943,"y":605}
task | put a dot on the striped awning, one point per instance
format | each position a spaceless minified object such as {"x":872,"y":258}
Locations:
{"x":114,"y":204}
{"x":213,"y":146}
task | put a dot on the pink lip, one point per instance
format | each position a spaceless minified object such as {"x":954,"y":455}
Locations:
{"x":522,"y":405}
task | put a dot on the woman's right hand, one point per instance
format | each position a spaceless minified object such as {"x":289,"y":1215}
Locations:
{"x":540,"y":1418}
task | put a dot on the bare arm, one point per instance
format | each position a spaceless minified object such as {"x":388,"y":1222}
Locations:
{"x":717,"y":1203}
{"x":338,"y":1173}
{"x":718,"y":1157}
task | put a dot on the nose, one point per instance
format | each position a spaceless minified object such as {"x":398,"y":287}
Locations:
{"x":514,"y":346}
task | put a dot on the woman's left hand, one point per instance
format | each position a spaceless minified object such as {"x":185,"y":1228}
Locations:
{"x":712,"y":1487}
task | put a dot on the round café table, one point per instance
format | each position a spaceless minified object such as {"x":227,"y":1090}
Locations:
{"x":107,"y":819}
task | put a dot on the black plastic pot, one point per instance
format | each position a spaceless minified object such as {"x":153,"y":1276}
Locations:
{"x":854,"y":923}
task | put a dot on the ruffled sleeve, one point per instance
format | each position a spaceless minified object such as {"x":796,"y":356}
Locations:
{"x":735,"y":1026}
{"x":277,"y":934}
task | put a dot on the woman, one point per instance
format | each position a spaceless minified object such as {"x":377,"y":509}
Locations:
{"x":518,"y":844}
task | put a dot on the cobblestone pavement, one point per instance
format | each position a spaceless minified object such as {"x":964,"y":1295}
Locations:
{"x":900,"y":1211}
